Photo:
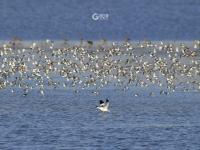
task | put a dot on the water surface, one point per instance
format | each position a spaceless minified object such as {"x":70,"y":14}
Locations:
{"x":72,"y":19}
{"x":64,"y":120}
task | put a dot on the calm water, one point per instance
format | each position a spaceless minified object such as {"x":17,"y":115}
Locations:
{"x":72,"y":19}
{"x":63,"y":120}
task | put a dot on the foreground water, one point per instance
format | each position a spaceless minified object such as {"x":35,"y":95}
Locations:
{"x":64,"y":120}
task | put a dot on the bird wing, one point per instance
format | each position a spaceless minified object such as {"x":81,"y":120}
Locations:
{"x":107,"y":105}
{"x":101,"y":102}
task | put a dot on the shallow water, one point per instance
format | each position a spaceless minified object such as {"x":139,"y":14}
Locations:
{"x":64,"y":120}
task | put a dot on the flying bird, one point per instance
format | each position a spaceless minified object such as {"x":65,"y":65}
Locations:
{"x":103,"y":106}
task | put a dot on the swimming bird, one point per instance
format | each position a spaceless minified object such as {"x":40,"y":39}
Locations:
{"x":103,"y":106}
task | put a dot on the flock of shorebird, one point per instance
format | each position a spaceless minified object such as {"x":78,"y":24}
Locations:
{"x":88,"y":64}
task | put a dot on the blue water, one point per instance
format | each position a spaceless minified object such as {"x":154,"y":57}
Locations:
{"x":72,"y":19}
{"x":63,"y":120}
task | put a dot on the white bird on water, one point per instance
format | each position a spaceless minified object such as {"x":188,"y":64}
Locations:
{"x":103,"y":106}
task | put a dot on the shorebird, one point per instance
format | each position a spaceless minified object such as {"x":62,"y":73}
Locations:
{"x":103,"y":106}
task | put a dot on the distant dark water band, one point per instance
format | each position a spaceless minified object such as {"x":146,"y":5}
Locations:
{"x":113,"y":20}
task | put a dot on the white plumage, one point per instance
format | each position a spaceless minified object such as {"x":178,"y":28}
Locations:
{"x":103,"y":106}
